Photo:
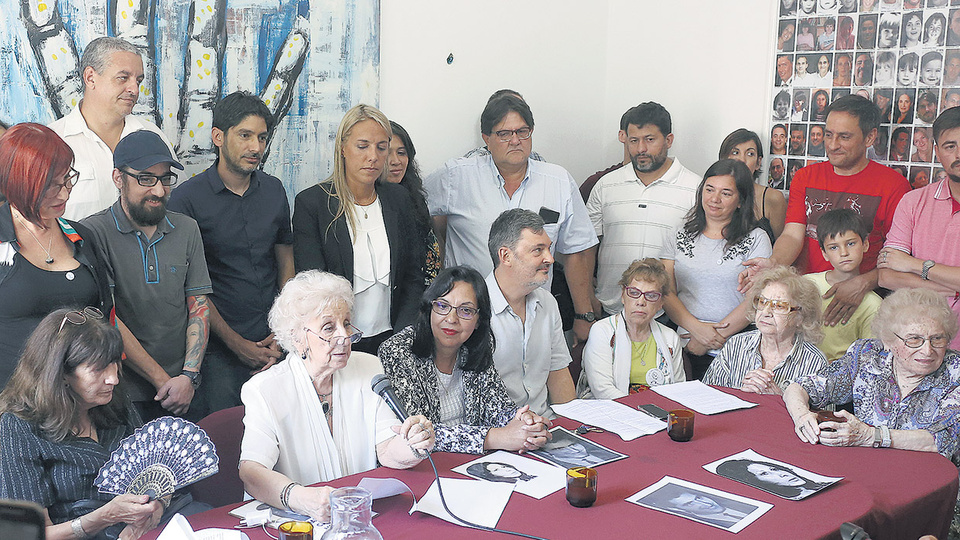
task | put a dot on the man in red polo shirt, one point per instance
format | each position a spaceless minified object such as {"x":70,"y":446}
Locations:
{"x":847,"y":180}
{"x":923,"y":247}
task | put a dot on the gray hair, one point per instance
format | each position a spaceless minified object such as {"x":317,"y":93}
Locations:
{"x":906,"y":305}
{"x":303,"y":298}
{"x":507,"y":229}
{"x":97,"y":54}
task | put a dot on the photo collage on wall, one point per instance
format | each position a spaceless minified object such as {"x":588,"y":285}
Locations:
{"x":904,"y":55}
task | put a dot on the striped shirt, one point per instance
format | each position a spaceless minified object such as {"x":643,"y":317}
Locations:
{"x":741,"y":354}
{"x":633,"y":218}
{"x":51,"y":474}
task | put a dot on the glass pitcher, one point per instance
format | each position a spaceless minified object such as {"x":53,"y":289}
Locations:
{"x":350,"y":515}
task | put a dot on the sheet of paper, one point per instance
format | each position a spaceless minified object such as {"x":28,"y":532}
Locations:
{"x":381,"y":488}
{"x":177,"y":529}
{"x":528,"y":476}
{"x":612,"y":416}
{"x":702,"y":504}
{"x":700,"y":397}
{"x":478,"y":502}
{"x":221,"y":534}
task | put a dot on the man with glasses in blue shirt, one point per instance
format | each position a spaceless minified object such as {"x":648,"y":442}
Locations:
{"x":465,"y":196}
{"x":158,"y":274}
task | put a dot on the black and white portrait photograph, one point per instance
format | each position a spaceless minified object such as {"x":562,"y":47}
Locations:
{"x":567,"y":449}
{"x":701,"y":503}
{"x":529,"y":476}
{"x":776,"y":477}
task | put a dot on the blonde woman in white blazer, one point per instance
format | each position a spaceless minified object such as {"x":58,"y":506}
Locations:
{"x":630,"y":349}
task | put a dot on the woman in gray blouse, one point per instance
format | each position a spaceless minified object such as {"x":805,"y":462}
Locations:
{"x":703,"y":259}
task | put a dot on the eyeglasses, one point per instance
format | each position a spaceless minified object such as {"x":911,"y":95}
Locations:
{"x":464,"y":312}
{"x":778,"y":307}
{"x":80,"y":317}
{"x":69,"y":180}
{"x":338,"y":341}
{"x":915,"y":342}
{"x":651,"y":296}
{"x":506,"y":135}
{"x":150,"y":180}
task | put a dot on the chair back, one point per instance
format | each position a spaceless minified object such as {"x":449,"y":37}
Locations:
{"x":225,"y":429}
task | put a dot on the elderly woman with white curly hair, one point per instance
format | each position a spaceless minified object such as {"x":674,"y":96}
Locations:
{"x":905,"y":386}
{"x":313,"y":417}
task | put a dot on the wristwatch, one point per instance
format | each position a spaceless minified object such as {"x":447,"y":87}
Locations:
{"x":194,"y":377}
{"x":927,"y":265}
{"x":588,"y":316}
{"x":881,"y":436}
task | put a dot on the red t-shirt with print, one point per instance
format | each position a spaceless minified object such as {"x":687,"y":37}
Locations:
{"x":873,"y":193}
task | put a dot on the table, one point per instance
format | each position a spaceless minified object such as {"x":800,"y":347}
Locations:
{"x":893,"y":494}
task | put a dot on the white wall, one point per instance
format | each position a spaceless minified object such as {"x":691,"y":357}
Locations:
{"x":580,"y":65}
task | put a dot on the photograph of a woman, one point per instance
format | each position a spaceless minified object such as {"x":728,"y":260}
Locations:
{"x":494,"y":471}
{"x":781,"y":479}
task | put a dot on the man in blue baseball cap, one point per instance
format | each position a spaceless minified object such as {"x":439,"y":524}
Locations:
{"x":159,"y":278}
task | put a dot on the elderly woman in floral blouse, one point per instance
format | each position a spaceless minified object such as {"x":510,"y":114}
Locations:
{"x":905,"y":386}
{"x":442,"y":368}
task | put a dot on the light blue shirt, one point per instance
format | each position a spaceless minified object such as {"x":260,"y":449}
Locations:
{"x":470,"y":193}
{"x":528,"y":350}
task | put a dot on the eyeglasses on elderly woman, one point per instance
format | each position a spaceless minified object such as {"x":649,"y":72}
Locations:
{"x":326,"y":334}
{"x":778,"y":307}
{"x":915,"y":342}
{"x":651,"y":296}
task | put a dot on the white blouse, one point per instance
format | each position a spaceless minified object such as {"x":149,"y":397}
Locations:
{"x":371,"y":270}
{"x":286,"y":430}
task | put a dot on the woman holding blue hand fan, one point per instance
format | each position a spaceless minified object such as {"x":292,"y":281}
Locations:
{"x":60,"y":418}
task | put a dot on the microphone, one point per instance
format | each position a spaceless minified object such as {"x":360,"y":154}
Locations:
{"x":383,"y":387}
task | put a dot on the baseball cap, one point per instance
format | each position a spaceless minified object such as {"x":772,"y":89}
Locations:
{"x":141,"y":150}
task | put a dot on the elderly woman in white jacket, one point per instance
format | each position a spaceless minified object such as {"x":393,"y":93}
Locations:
{"x":631,"y":350}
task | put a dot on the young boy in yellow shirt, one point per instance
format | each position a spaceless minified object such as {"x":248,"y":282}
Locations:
{"x":843,"y":240}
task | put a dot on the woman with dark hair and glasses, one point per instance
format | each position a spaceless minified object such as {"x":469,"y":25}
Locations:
{"x":60,"y":419}
{"x":704,"y":258}
{"x":313,"y":417}
{"x":442,"y":367}
{"x":46,"y":262}
{"x":785,"y":306}
{"x":631,"y":350}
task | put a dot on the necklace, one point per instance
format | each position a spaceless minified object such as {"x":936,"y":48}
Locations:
{"x":49,"y":259}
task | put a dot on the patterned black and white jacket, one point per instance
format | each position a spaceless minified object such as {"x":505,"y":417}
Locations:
{"x":486,"y":402}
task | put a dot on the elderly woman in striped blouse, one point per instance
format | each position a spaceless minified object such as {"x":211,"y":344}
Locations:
{"x":786,"y":310}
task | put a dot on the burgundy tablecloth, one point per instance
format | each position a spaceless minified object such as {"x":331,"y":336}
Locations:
{"x":893,"y":494}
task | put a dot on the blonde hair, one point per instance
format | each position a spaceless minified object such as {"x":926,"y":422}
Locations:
{"x":337,"y":182}
{"x":905,"y":305}
{"x":803,"y":293}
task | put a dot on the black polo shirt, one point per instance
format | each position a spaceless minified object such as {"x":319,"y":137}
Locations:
{"x":239,"y":236}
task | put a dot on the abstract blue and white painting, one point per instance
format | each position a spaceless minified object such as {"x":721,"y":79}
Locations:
{"x":310,"y":61}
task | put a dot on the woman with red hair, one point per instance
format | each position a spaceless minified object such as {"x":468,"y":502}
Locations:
{"x":46,"y":262}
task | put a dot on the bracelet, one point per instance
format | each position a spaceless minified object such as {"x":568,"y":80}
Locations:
{"x":77,"y":526}
{"x":285,"y":495}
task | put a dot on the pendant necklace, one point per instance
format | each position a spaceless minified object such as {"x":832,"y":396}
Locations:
{"x":324,"y":404}
{"x":49,"y":259}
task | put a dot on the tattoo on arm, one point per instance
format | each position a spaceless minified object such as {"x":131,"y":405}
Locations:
{"x":198,"y":331}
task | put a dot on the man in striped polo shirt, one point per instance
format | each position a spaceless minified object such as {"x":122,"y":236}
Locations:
{"x":634,"y":208}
